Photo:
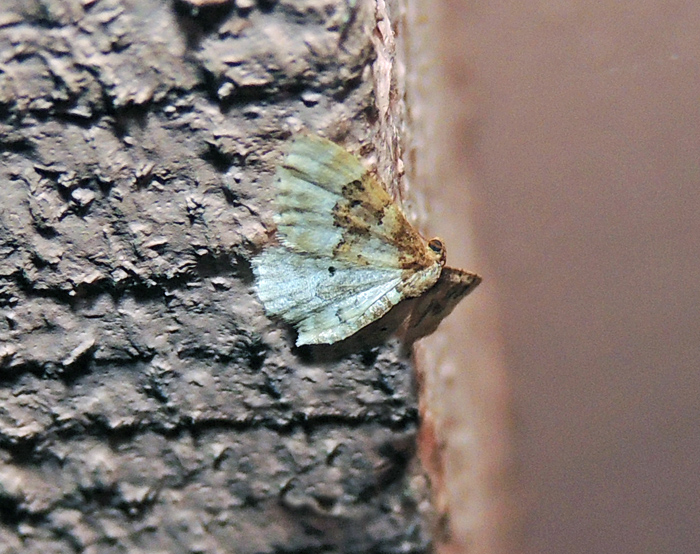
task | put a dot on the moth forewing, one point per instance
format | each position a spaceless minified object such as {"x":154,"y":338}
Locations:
{"x":322,"y":163}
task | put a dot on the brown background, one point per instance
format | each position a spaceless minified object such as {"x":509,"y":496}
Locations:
{"x":577,"y":124}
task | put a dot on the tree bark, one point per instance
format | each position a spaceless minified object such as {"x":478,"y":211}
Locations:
{"x":146,"y":402}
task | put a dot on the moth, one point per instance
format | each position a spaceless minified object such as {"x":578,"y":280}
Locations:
{"x":347,"y":252}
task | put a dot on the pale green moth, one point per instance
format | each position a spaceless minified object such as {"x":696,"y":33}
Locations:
{"x":347,"y":253}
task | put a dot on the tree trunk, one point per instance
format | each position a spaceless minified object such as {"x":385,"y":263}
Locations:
{"x":147,"y":404}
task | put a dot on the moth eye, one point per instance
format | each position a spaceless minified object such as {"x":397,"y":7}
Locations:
{"x":331,"y":270}
{"x":436,"y":246}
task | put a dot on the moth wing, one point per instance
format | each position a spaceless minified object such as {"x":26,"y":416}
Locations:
{"x":322,"y":163}
{"x":327,"y":300}
{"x":330,"y":206}
{"x":349,"y":314}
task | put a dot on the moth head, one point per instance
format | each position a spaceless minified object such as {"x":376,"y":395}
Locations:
{"x":438,"y":248}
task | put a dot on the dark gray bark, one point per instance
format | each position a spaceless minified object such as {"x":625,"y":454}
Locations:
{"x":146,"y":403}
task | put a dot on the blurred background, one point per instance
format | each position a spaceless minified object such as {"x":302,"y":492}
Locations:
{"x":572,"y":131}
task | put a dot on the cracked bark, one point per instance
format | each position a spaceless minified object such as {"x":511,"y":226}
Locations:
{"x":147,"y":403}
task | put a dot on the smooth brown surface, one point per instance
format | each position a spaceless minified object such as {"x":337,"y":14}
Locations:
{"x":466,"y":424}
{"x":585,"y":154}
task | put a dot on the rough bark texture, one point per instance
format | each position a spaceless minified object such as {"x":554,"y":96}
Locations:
{"x":146,"y":403}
